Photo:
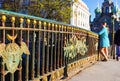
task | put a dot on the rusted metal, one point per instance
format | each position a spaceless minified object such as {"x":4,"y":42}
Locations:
{"x":2,"y":78}
{"x":27,"y":57}
{"x":38,"y":54}
{"x":63,"y":28}
{"x":48,"y":48}
{"x":58,"y":46}
{"x":33,"y":51}
{"x":20,"y":40}
{"x":43,"y":48}
{"x":55,"y":48}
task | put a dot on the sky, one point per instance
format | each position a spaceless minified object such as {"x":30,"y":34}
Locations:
{"x":92,"y":5}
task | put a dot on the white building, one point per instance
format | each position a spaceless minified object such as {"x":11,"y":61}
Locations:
{"x":80,"y":15}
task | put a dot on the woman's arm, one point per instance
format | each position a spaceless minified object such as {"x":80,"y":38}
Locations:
{"x":101,"y":31}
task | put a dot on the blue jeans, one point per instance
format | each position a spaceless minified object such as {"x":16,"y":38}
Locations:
{"x":118,"y":51}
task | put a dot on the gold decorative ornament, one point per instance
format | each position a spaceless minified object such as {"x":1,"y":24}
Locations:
{"x":28,"y":21}
{"x":3,"y":18}
{"x":11,"y":37}
{"x":56,"y":26}
{"x":21,"y":20}
{"x":58,"y":74}
{"x":60,"y":26}
{"x":39,"y":22}
{"x":44,"y":79}
{"x":49,"y":24}
{"x":44,"y":23}
{"x":12,"y":19}
{"x":74,"y":47}
{"x":34,"y":22}
{"x":52,"y":24}
{"x":52,"y":77}
{"x":12,"y":52}
{"x":61,"y":72}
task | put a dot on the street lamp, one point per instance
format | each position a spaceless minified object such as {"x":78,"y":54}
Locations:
{"x":113,"y":32}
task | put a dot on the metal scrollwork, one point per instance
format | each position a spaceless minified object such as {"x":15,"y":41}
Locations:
{"x":81,"y":46}
{"x":11,"y":53}
{"x":75,"y":46}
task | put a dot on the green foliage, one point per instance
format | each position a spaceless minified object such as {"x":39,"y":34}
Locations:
{"x":11,"y":5}
{"x":58,"y":10}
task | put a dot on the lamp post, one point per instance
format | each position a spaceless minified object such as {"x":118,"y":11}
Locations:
{"x":113,"y":32}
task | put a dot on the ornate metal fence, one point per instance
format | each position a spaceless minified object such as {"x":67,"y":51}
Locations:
{"x":32,"y":48}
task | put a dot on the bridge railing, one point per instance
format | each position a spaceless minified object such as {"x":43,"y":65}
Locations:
{"x":33,"y":48}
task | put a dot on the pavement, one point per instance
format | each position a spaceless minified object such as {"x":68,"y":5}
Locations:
{"x":100,"y":71}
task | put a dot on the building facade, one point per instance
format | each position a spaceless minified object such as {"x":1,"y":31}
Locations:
{"x":80,"y":15}
{"x":108,"y":12}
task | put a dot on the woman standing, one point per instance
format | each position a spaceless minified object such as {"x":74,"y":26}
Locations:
{"x":104,"y":41}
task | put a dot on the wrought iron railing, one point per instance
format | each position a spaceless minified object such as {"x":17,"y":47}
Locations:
{"x":33,"y":48}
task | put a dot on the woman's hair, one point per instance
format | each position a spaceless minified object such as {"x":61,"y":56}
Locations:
{"x":107,"y":26}
{"x":104,"y":23}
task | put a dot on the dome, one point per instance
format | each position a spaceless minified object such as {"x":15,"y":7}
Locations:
{"x":98,"y":10}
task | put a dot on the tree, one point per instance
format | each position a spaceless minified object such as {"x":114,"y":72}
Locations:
{"x":11,"y":5}
{"x":58,"y":10}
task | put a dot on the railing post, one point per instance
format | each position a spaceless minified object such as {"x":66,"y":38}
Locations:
{"x":43,"y":48}
{"x":20,"y":65}
{"x":2,"y":72}
{"x":27,"y":58}
{"x":33,"y":51}
{"x":13,"y":25}
{"x":38,"y":56}
{"x":48,"y":48}
{"x":66,"y":58}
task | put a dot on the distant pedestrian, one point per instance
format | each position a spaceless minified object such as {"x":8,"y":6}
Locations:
{"x":104,"y":41}
{"x":117,"y":43}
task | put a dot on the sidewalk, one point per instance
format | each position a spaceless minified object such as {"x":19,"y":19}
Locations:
{"x":101,"y":71}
